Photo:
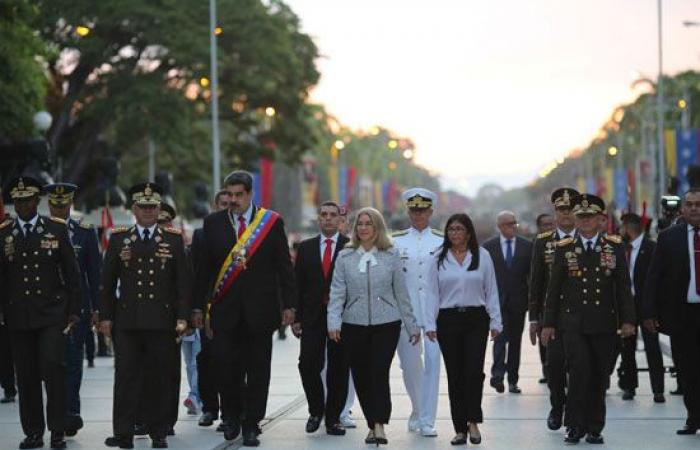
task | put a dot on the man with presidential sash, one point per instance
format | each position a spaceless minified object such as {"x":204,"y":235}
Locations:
{"x":84,"y":240}
{"x":245,"y":265}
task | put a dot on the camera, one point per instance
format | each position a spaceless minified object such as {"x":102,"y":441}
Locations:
{"x":670,"y":208}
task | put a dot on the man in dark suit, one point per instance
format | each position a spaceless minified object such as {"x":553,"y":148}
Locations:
{"x":672,"y":300}
{"x":545,"y":226}
{"x":149,"y":310}
{"x":84,"y":239}
{"x":314,"y":270}
{"x":511,"y":256}
{"x":40,"y":281}
{"x":639,"y":249}
{"x":209,"y":393}
{"x":589,"y":296}
{"x":245,"y":265}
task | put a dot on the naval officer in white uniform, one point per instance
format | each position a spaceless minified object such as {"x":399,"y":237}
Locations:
{"x":421,"y":374}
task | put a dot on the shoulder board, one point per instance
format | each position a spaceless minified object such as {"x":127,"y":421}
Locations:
{"x":565,"y":242}
{"x":437,"y":232}
{"x":85,"y":226}
{"x":172,"y":230}
{"x":6,"y":223}
{"x":57,"y":220}
{"x":545,"y":235}
{"x":120,"y":229}
{"x":399,"y":233}
{"x":615,"y":238}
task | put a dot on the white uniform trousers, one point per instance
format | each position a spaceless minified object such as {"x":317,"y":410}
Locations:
{"x":421,"y":376}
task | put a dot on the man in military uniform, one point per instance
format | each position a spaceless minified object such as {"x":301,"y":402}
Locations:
{"x":84,"y":240}
{"x":149,"y":264}
{"x":41,"y":291}
{"x":542,"y":259}
{"x":589,"y":295}
{"x":416,"y":246}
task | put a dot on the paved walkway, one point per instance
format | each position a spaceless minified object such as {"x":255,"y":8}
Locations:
{"x":511,"y":421}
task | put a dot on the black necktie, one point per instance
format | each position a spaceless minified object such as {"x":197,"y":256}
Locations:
{"x":146,"y":235}
{"x":589,"y":246}
{"x":27,"y":229}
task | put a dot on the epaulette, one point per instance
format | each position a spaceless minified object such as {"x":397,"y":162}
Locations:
{"x":615,"y":238}
{"x":399,"y":233}
{"x":57,"y":220}
{"x":85,"y":226}
{"x":6,"y":223}
{"x":545,"y":235}
{"x":120,"y":229}
{"x":565,"y":242}
{"x":172,"y":230}
{"x":437,"y":232}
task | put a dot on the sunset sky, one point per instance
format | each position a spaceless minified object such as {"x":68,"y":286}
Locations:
{"x":490,"y":90}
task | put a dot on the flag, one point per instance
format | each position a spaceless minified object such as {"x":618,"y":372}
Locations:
{"x":670,"y":150}
{"x":262,"y":183}
{"x":590,"y":186}
{"x":621,"y":194}
{"x":343,"y":185}
{"x":581,"y":184}
{"x":107,"y":224}
{"x":352,"y":181}
{"x":686,"y":155}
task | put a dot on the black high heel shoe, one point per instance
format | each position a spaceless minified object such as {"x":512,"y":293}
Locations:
{"x":475,"y":438}
{"x":379,"y":436}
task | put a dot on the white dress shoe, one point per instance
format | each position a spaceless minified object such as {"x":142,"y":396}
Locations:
{"x":347,"y":422}
{"x":413,"y":423}
{"x":428,"y":431}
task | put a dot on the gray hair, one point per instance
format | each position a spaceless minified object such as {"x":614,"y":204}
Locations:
{"x":503,"y":214}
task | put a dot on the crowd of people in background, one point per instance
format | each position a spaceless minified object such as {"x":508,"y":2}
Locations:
{"x":355,"y":295}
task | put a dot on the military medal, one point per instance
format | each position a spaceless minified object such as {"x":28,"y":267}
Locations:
{"x":125,"y":254}
{"x":158,"y":239}
{"x":241,"y":259}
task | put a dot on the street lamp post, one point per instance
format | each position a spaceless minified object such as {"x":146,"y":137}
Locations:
{"x":216,"y":144}
{"x":661,"y":171}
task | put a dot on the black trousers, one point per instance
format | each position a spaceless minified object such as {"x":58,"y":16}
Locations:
{"x":39,"y":355}
{"x":556,"y":373}
{"x":143,"y":370}
{"x":90,"y":345}
{"x":543,"y":357}
{"x":506,"y":348}
{"x":243,"y":372}
{"x":209,"y":392}
{"x":462,"y":335}
{"x":312,"y":357}
{"x":590,"y":357}
{"x":688,"y":343}
{"x":7,"y":368}
{"x":371,"y":350}
{"x":627,"y":372}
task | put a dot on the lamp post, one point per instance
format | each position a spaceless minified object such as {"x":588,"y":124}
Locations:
{"x":661,"y":155}
{"x":215,"y":142}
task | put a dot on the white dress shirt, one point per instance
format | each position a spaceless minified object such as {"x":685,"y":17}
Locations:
{"x":334,"y":242}
{"x":151,"y":231}
{"x":504,"y":247}
{"x":693,"y":296}
{"x":31,"y":221}
{"x":561,"y":233}
{"x":592,"y":240}
{"x":247,"y":216}
{"x":452,"y":285}
{"x":636,"y":245}
{"x":416,"y":250}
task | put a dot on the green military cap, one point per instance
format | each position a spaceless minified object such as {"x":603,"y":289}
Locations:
{"x":24,"y":187}
{"x":563,"y":197}
{"x":167,"y":213}
{"x":146,"y":194}
{"x":588,"y":204}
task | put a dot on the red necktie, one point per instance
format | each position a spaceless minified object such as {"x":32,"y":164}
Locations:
{"x":327,"y":257}
{"x":696,"y":245}
{"x":241,"y":226}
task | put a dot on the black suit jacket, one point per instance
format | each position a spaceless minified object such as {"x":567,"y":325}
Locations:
{"x":666,"y":288}
{"x":512,"y":282}
{"x":253,"y":300}
{"x":641,"y":267}
{"x":312,"y":286}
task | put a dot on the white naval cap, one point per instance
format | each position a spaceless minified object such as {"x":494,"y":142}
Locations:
{"x":419,"y":198}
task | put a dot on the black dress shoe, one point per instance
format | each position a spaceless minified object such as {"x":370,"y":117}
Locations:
{"x":207,"y":419}
{"x":542,"y":380}
{"x":91,"y":364}
{"x":678,"y":391}
{"x":171,"y":431}
{"x":554,"y":420}
{"x":7,"y":399}
{"x":573,"y":436}
{"x":659,"y":398}
{"x":73,"y":424}
{"x":32,"y":441}
{"x":231,"y":430}
{"x":313,"y":424}
{"x":221,"y":427}
{"x":58,"y":439}
{"x":140,"y":430}
{"x":159,"y":442}
{"x":498,"y":385}
{"x":628,"y":394}
{"x":460,"y":439}
{"x":250,"y":438}
{"x":687,"y":430}
{"x":335,"y":430}
{"x":119,"y":441}
{"x":594,"y":438}
{"x":514,"y":389}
